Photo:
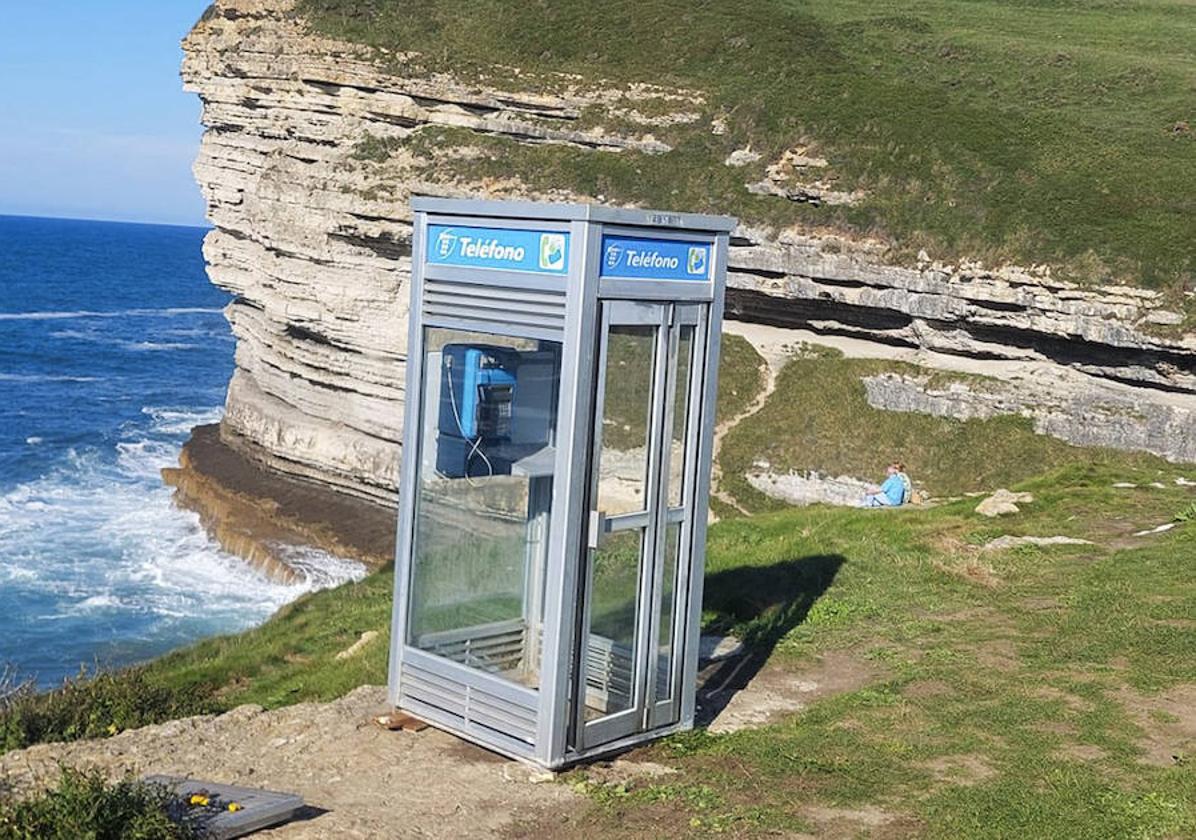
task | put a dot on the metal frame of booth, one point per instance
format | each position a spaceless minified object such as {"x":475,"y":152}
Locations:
{"x":618,"y":311}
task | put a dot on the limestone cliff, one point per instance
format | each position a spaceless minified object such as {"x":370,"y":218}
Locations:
{"x":314,"y":147}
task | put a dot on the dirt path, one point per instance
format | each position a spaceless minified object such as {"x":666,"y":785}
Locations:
{"x":369,"y":783}
{"x":775,"y":346}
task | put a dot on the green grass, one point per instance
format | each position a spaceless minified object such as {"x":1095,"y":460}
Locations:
{"x":741,"y":372}
{"x":1039,"y":131}
{"x":819,"y":419}
{"x":1004,"y":673}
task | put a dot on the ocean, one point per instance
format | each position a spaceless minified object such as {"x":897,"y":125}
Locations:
{"x":112,"y":346}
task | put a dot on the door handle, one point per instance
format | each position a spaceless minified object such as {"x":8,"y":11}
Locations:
{"x":597,"y":527}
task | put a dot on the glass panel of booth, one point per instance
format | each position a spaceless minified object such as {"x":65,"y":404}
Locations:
{"x":484,"y":500}
{"x":614,"y":617}
{"x":626,"y":418}
{"x":668,"y":601}
{"x":680,"y":426}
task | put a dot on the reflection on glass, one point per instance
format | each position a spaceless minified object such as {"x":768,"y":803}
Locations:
{"x":484,"y":500}
{"x":668,"y":606}
{"x":626,"y":413}
{"x":614,"y":610}
{"x":685,"y":349}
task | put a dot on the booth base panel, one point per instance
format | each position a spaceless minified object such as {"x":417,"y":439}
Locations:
{"x":526,"y":753}
{"x":462,"y":706}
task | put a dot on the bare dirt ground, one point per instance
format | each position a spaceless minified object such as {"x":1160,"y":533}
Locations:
{"x":776,"y":691}
{"x":361,"y":781}
{"x":1168,"y":722}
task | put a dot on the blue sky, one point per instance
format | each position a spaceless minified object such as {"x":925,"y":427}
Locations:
{"x":93,"y":119}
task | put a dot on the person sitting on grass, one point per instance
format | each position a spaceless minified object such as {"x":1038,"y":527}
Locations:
{"x":896,"y":490}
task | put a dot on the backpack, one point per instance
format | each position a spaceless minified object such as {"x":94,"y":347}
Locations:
{"x":907,"y":489}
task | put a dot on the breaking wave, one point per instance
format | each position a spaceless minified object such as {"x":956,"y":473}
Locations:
{"x":105,"y":566}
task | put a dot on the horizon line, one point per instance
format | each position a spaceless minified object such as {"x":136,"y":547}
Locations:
{"x":108,"y":221}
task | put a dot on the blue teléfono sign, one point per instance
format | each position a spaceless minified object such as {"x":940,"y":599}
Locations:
{"x":508,"y":249}
{"x":654,"y":259}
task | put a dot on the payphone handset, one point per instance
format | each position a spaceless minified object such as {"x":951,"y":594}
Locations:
{"x":493,"y":408}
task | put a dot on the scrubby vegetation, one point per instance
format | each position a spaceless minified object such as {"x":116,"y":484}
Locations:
{"x":92,"y":706}
{"x":1041,"y":131}
{"x":85,"y":805}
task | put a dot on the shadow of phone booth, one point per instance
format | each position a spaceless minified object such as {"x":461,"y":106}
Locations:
{"x":561,"y":381}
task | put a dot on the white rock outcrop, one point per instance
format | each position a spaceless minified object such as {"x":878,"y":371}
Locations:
{"x":1003,"y":503}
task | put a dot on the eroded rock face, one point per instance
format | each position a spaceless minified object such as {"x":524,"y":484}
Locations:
{"x":1076,"y":409}
{"x":308,"y":186}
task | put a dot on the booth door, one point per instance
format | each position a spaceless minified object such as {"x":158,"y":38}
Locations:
{"x":637,"y":574}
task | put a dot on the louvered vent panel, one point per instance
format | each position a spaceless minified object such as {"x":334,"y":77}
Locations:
{"x":533,"y":310}
{"x":470,"y":705}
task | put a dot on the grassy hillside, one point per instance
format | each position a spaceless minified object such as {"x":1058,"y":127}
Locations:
{"x":1013,"y":694}
{"x":1039,"y":131}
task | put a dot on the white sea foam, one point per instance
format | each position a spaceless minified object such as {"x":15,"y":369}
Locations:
{"x":120,"y":313}
{"x":97,"y":542}
{"x":103,"y":338}
{"x":168,"y":420}
{"x":33,"y":440}
{"x":44,"y":377}
{"x":319,"y":569}
{"x":143,"y":346}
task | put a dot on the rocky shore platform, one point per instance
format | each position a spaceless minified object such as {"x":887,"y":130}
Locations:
{"x":264,"y":517}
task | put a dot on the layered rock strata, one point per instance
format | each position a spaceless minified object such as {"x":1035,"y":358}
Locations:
{"x":1057,"y":405}
{"x":307,"y":167}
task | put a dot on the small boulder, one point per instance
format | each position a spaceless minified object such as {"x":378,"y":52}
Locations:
{"x":356,"y":648}
{"x":1003,"y":502}
{"x":742,"y":157}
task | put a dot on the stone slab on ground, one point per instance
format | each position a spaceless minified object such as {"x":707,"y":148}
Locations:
{"x":717,"y":648}
{"x":1006,"y":542}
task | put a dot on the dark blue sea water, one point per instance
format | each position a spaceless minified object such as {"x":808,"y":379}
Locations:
{"x":112,"y":346}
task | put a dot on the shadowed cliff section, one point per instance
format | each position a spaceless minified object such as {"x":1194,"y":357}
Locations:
{"x":258,"y":514}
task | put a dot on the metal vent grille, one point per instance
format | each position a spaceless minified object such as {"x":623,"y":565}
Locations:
{"x":534,"y":311}
{"x":469,"y":705}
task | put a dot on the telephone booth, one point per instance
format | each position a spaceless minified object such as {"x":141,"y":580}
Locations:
{"x":561,"y":376}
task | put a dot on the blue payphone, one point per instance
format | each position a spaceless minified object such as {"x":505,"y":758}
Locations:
{"x":494,"y":407}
